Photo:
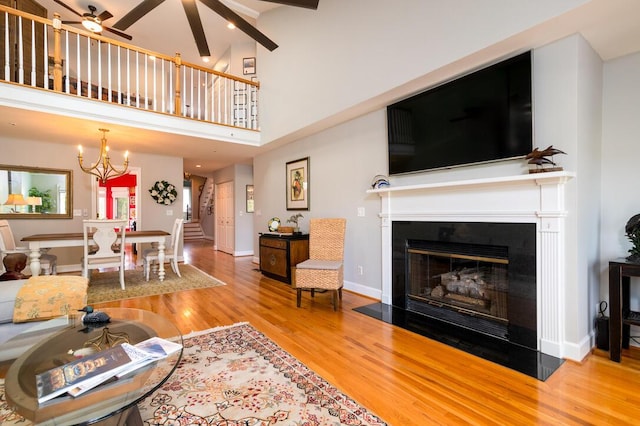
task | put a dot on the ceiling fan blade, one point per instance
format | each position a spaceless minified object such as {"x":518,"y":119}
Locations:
{"x":71,"y":22}
{"x":309,"y":4}
{"x":136,"y":13}
{"x":67,"y":7}
{"x":240,"y":23}
{"x":191,"y":10}
{"x":118,"y":33}
{"x":105,"y":15}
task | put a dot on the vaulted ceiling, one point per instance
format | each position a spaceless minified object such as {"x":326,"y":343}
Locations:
{"x":612,"y":31}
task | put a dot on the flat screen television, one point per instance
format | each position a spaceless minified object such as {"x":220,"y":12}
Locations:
{"x":480,"y":117}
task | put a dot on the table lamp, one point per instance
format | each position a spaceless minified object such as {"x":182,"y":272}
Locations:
{"x":15,"y":200}
{"x":33,"y":202}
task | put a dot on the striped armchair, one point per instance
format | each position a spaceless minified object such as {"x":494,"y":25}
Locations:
{"x":324,"y":269}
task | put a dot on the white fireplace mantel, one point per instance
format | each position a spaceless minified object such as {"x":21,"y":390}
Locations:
{"x":532,"y":198}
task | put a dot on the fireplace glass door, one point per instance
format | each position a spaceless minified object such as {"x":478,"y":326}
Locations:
{"x":475,"y":285}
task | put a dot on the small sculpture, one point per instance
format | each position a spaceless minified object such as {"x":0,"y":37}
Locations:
{"x":539,"y":158}
{"x":93,"y":317}
{"x":379,"y":181}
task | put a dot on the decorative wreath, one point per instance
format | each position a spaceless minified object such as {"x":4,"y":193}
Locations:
{"x":163,"y":192}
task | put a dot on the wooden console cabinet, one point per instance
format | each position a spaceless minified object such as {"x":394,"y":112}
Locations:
{"x":279,"y":253}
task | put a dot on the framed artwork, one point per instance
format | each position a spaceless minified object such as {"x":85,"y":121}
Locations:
{"x":298,"y":184}
{"x":250,"y":205}
{"x":248,"y":66}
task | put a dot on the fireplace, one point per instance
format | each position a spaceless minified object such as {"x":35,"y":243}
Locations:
{"x":479,"y":276}
{"x":520,"y":221}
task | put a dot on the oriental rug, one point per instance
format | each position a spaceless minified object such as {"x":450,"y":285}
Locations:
{"x":236,"y":376}
{"x":105,"y":286}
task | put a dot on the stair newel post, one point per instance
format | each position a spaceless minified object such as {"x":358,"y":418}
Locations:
{"x":57,"y":59}
{"x":178,"y":100}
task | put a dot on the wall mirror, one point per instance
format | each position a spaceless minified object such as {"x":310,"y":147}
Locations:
{"x":35,"y":193}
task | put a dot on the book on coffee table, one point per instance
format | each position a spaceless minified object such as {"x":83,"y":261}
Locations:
{"x":83,"y":374}
{"x":94,"y":367}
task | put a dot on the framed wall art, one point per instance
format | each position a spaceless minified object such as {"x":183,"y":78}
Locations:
{"x":250,"y":205}
{"x":298,"y":184}
{"x":248,"y":66}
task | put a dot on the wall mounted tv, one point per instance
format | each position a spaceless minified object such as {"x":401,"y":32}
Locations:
{"x":481,"y":117}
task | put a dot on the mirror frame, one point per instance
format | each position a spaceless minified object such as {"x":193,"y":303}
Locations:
{"x":68,"y":176}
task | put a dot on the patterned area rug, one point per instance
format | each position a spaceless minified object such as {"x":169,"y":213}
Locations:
{"x":105,"y":286}
{"x":236,"y":376}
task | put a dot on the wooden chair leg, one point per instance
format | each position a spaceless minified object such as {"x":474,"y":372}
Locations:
{"x":335,"y":300}
{"x":298,"y":296}
{"x":313,"y":292}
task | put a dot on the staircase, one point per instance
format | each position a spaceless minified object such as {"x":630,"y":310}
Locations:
{"x":193,"y":231}
{"x":206,"y":197}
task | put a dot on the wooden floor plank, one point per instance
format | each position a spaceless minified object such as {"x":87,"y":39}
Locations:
{"x":404,"y":378}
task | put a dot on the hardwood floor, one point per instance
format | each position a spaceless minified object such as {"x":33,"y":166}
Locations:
{"x":404,"y":378}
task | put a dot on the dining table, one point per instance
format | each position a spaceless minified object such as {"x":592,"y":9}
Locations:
{"x":37,"y":242}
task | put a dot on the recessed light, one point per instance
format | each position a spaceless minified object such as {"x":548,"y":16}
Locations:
{"x":205,"y":59}
{"x":198,"y":166}
{"x":231,"y":25}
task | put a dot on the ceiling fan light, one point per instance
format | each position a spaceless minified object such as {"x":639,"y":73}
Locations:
{"x":92,"y":25}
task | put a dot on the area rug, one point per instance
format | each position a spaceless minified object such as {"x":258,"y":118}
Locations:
{"x":105,"y":286}
{"x":236,"y":376}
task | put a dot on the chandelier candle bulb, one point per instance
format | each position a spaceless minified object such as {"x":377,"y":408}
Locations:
{"x":103,"y":169}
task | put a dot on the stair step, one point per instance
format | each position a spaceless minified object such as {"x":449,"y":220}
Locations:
{"x":193,"y":231}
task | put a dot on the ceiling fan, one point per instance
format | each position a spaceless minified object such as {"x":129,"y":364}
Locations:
{"x":93,"y":22}
{"x":217,"y":6}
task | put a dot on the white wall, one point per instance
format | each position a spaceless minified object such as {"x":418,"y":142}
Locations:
{"x":342,"y":162}
{"x":344,"y":159}
{"x":621,"y":174}
{"x":348,"y":53}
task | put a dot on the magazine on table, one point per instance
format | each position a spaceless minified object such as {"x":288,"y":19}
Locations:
{"x":97,"y":366}
{"x":87,"y":372}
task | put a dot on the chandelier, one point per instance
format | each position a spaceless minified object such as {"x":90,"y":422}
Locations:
{"x":102,"y":168}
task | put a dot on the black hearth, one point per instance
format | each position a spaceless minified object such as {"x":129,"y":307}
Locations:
{"x":470,"y":285}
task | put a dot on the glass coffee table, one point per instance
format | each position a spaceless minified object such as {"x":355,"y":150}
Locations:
{"x":114,"y":402}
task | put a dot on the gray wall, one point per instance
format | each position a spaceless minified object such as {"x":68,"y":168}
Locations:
{"x":38,"y":154}
{"x":344,"y":159}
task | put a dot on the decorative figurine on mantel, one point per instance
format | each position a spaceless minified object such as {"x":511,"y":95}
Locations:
{"x":542,"y":163}
{"x":632,"y":229}
{"x":294,"y":219}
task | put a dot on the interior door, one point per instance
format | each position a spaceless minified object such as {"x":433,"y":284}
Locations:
{"x":225,"y":224}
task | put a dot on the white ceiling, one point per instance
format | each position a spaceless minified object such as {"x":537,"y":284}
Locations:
{"x":612,"y":31}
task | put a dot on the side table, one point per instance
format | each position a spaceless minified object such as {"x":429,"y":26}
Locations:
{"x":621,"y":318}
{"x":280,"y":252}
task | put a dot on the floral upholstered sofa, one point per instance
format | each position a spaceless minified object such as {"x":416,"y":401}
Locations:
{"x":27,"y":305}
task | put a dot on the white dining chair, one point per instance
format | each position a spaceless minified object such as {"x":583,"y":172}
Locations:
{"x":101,"y":246}
{"x":48,"y":262}
{"x":150,"y":256}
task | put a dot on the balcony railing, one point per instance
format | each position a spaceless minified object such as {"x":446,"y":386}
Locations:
{"x":44,"y":53}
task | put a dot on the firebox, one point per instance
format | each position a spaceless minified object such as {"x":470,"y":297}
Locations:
{"x":478,"y":276}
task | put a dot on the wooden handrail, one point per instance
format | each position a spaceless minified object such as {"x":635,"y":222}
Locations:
{"x":224,"y":100}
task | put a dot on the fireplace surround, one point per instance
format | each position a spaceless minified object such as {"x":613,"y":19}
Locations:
{"x":533,"y":201}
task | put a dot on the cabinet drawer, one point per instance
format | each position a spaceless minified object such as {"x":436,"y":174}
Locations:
{"x":272,"y":242}
{"x":273,"y":261}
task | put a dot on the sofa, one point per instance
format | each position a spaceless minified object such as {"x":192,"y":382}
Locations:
{"x":27,"y":306}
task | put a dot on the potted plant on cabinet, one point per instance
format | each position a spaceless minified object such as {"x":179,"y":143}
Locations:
{"x":294,"y":219}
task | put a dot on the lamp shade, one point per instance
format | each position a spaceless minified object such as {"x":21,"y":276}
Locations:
{"x":15,"y":200}
{"x":34,"y":201}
